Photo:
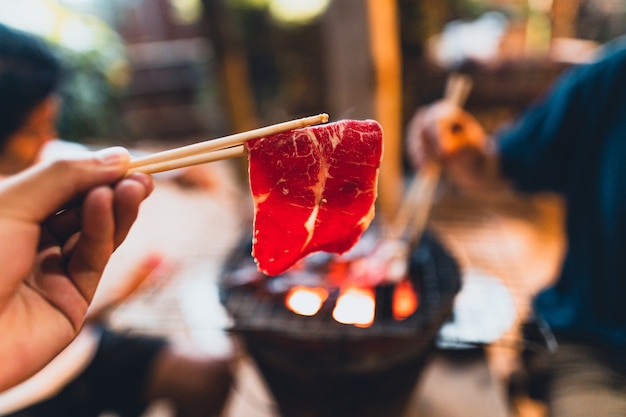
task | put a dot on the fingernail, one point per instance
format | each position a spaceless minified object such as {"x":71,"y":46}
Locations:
{"x":113,"y":156}
{"x":144,"y":179}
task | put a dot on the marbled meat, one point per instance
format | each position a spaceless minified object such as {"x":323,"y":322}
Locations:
{"x":314,"y":189}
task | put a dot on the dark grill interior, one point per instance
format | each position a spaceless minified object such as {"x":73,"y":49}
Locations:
{"x":315,"y":366}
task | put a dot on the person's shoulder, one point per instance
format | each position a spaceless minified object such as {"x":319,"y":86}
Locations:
{"x":606,"y":68}
{"x":612,"y":53}
{"x":614,"y":47}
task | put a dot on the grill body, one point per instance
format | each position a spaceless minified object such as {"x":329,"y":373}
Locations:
{"x":316,"y":367}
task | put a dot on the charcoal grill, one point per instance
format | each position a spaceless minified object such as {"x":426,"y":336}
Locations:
{"x":317,"y":367}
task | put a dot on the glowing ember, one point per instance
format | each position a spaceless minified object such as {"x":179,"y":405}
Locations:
{"x":355,"y":306}
{"x":305,"y":301}
{"x":405,"y":300}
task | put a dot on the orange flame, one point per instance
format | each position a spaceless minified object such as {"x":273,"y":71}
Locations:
{"x":305,"y":301}
{"x":355,"y":306}
{"x":405,"y":300}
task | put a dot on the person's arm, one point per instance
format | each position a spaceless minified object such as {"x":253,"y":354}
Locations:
{"x":60,"y":223}
{"x":448,"y":135}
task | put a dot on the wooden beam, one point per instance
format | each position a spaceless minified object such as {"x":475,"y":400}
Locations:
{"x":386,"y":56}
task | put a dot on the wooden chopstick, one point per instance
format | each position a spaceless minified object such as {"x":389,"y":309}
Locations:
{"x":214,"y":149}
{"x":415,"y":208}
{"x":458,"y":87}
{"x":427,"y":180}
{"x":203,"y":158}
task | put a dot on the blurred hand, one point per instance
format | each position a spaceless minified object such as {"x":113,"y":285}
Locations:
{"x":437,"y":132}
{"x":449,"y":136}
{"x":60,"y":223}
{"x":112,"y":293}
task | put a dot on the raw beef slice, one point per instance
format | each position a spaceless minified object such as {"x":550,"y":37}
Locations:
{"x":314,"y":190}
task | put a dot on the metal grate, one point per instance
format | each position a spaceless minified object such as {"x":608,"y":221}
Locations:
{"x":433,"y":271}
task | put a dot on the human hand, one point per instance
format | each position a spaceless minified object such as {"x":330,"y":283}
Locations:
{"x":447,"y":135}
{"x":439,"y":131}
{"x":60,"y":223}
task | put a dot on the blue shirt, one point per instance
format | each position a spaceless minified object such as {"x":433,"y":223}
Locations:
{"x":573,"y":141}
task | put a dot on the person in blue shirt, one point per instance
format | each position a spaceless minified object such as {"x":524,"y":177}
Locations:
{"x":571,"y":141}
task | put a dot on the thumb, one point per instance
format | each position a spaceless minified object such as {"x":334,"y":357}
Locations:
{"x":37,"y":192}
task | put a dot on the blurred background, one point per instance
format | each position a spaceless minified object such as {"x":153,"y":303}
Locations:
{"x":179,"y":69}
{"x":152,"y":74}
{"x":175,"y":71}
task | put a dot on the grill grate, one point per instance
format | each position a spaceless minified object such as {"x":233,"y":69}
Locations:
{"x":434,"y":273}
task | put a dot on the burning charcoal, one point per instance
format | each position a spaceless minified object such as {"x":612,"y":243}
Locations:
{"x":317,"y":367}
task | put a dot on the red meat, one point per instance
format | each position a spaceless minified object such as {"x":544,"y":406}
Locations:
{"x":314,"y":190}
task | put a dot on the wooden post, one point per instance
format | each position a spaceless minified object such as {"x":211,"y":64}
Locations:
{"x":385,"y":46}
{"x":564,"y":13}
{"x":233,"y":77}
{"x":232,"y":73}
{"x":350,"y":82}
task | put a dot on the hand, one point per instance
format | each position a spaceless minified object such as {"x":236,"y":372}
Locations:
{"x":438,"y":131}
{"x":446,"y":135}
{"x":60,"y":223}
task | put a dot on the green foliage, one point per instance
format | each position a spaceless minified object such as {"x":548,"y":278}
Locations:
{"x":97,"y":74}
